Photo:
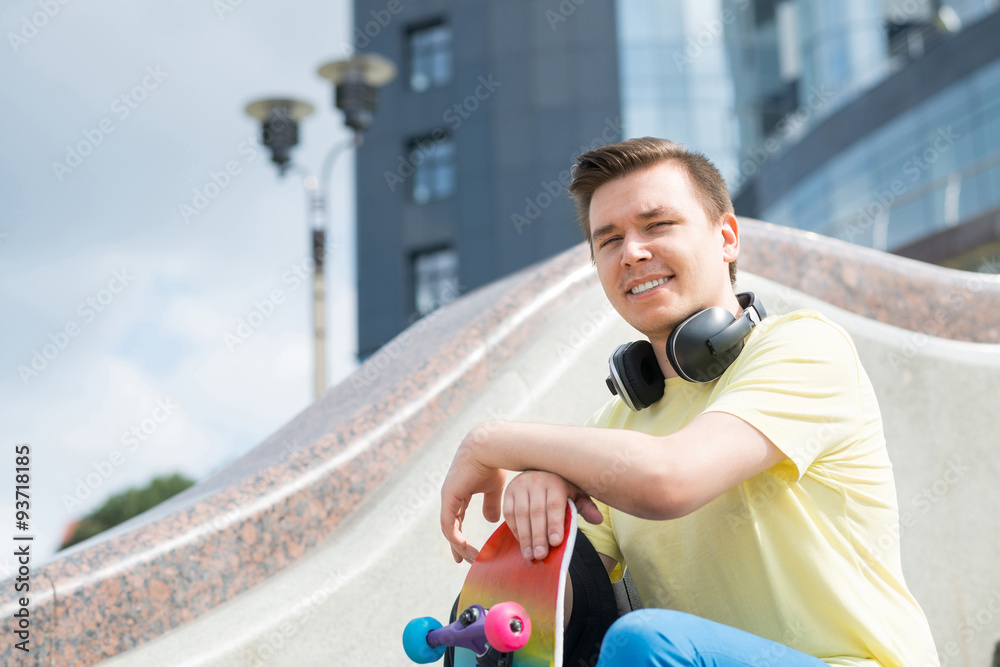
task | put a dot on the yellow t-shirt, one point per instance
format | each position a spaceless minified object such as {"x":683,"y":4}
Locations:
{"x":805,"y":553}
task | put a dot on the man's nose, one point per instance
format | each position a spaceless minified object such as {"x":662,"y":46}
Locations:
{"x":635,"y":250}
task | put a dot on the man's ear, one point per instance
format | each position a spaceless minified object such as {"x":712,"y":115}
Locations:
{"x":730,"y":229}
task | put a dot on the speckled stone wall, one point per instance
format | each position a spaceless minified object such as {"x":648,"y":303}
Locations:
{"x":262,"y":513}
{"x":906,"y":293}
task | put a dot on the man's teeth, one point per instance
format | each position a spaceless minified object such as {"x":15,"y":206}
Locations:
{"x":645,"y":287}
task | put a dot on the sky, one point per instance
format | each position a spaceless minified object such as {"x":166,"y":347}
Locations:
{"x":153,"y":313}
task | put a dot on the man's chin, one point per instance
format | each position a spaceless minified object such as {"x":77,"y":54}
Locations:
{"x":654,"y":331}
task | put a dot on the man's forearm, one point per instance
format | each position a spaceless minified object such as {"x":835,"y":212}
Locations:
{"x":625,"y":469}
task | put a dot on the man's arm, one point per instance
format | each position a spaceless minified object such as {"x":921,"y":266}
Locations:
{"x":651,"y":477}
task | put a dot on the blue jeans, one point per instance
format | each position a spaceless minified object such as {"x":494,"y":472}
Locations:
{"x":665,"y":638}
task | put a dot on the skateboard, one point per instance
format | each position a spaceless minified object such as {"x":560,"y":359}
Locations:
{"x":512,"y":609}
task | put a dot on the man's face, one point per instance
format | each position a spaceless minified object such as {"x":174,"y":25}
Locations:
{"x":650,"y":226}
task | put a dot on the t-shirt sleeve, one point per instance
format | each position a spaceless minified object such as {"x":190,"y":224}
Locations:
{"x":800,"y":385}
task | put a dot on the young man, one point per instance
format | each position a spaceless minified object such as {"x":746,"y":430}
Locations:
{"x":747,"y":508}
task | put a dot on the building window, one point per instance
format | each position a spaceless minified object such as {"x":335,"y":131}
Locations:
{"x":764,"y":11}
{"x":430,"y":56}
{"x":433,"y":158}
{"x":435,"y":279}
{"x":775,"y":107}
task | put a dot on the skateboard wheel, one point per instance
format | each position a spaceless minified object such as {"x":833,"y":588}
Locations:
{"x":508,"y":627}
{"x":415,"y":641}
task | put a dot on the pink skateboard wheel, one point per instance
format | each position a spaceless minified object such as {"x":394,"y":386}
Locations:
{"x":508,"y":627}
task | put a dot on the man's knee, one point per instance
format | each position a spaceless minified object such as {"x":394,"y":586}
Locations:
{"x":641,"y":637}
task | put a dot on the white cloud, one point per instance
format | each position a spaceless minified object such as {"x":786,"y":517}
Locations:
{"x":163,"y":336}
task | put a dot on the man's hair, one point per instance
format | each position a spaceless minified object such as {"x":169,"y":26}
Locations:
{"x":596,"y":167}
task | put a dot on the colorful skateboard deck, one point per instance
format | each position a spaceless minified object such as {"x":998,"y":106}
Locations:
{"x":500,"y":573}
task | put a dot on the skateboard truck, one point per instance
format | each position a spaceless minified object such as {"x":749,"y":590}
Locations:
{"x":491,"y":635}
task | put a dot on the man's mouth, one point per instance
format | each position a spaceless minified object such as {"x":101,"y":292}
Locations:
{"x":646,"y":286}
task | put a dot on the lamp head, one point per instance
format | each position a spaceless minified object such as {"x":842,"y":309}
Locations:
{"x":279,"y":118}
{"x":356,"y":82}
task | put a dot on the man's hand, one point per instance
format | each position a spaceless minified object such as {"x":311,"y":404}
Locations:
{"x":467,"y":477}
{"x":534,"y":506}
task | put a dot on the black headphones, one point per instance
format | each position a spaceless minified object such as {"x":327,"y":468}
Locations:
{"x":700,"y":349}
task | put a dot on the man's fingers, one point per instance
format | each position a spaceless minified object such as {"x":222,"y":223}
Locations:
{"x":521,"y":525}
{"x":491,"y":506}
{"x":555,"y":509}
{"x":589,"y":510}
{"x":452,"y":516}
{"x":539,"y":526}
{"x":535,"y":509}
{"x":452,"y":511}
{"x":468,"y":554}
{"x":460,"y":547}
{"x":508,"y":513}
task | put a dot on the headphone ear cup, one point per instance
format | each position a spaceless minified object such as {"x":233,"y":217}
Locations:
{"x":640,"y":374}
{"x":688,"y":350}
{"x":703,"y":346}
{"x":699,"y":349}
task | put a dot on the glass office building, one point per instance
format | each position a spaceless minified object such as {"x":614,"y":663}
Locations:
{"x":924,"y":171}
{"x":874,"y":121}
{"x":910,"y":162}
{"x":675,"y":76}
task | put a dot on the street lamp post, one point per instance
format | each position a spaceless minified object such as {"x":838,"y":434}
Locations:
{"x":356,"y":82}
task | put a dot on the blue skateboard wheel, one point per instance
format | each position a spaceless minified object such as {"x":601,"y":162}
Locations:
{"x":415,"y":641}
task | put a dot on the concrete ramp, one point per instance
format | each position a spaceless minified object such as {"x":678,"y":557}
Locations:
{"x":318,"y":546}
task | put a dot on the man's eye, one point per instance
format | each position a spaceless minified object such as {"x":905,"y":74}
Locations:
{"x":606,"y":242}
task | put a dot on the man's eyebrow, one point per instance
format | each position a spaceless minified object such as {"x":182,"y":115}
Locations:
{"x":657,"y":212}
{"x":602,"y":231}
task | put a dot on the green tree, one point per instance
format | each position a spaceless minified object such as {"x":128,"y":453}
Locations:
{"x":125,"y":505}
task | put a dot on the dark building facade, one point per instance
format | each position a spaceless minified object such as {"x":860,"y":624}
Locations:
{"x":463,"y":178}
